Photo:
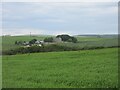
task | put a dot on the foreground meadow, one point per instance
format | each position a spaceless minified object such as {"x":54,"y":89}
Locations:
{"x":68,"y":69}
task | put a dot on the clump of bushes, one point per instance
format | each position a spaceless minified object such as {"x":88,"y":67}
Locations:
{"x":64,"y":37}
{"x":23,"y":42}
{"x":67,"y":38}
{"x":49,"y":39}
{"x":32,"y":41}
{"x":19,"y":42}
{"x":46,"y":48}
{"x":33,"y":49}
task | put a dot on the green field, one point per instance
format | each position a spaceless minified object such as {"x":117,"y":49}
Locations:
{"x":68,"y":69}
{"x":8,"y":42}
{"x":64,"y":69}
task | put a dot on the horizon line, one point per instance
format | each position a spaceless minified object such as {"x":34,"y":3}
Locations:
{"x":58,"y":34}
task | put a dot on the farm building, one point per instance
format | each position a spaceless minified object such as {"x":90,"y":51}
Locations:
{"x":57,"y":39}
{"x":26,"y":43}
{"x":39,"y":42}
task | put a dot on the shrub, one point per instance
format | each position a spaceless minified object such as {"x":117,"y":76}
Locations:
{"x":67,"y":38}
{"x":50,"y":39}
{"x":32,"y":41}
{"x":18,"y":42}
{"x":64,"y":37}
{"x":74,"y":40}
{"x":50,"y":48}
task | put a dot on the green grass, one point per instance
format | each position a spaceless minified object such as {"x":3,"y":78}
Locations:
{"x":92,"y":43}
{"x":90,"y":38}
{"x":8,"y":42}
{"x":73,"y":69}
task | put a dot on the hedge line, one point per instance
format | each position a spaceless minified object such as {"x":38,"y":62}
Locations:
{"x":33,"y":49}
{"x":48,"y":48}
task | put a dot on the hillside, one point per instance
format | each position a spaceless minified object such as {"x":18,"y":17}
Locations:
{"x":8,"y":42}
{"x":73,"y":69}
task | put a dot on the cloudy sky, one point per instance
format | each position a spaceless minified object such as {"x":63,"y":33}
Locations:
{"x":59,"y":18}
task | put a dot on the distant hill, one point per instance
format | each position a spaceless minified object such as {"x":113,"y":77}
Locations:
{"x":100,"y":36}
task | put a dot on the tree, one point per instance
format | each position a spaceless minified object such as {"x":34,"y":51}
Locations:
{"x":64,"y":37}
{"x":16,"y":42}
{"x":50,"y":39}
{"x":32,"y":41}
{"x":67,"y":38}
{"x":74,"y":40}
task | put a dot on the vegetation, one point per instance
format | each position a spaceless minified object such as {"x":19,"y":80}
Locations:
{"x":19,"y":42}
{"x":32,"y":41}
{"x":8,"y":42}
{"x":67,"y":38}
{"x":49,"y":39}
{"x":73,"y":69}
{"x":74,"y":40}
{"x":83,"y":43}
{"x":51,"y":48}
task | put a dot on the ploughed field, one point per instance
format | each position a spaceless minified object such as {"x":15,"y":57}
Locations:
{"x":68,"y":69}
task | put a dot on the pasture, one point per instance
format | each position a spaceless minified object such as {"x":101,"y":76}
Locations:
{"x":68,"y":69}
{"x":8,"y":42}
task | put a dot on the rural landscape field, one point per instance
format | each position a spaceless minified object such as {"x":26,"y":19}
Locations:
{"x":97,"y":68}
{"x":59,"y":44}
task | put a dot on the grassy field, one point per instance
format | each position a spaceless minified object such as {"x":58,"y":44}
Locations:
{"x":8,"y":42}
{"x":73,"y":69}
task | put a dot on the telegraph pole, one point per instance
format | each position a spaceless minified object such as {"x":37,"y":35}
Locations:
{"x":30,"y":34}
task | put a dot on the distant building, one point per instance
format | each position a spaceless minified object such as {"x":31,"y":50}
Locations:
{"x":39,"y":42}
{"x":39,"y":45}
{"x":57,"y":39}
{"x":26,"y":46}
{"x":26,"y":43}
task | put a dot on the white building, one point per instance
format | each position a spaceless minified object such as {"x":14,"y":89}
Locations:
{"x":57,"y":39}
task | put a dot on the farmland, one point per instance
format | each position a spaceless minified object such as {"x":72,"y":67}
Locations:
{"x":68,"y":69}
{"x":81,"y":68}
{"x":8,"y":42}
{"x":59,"y":44}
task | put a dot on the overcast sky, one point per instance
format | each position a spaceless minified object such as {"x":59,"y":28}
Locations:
{"x":60,"y":18}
